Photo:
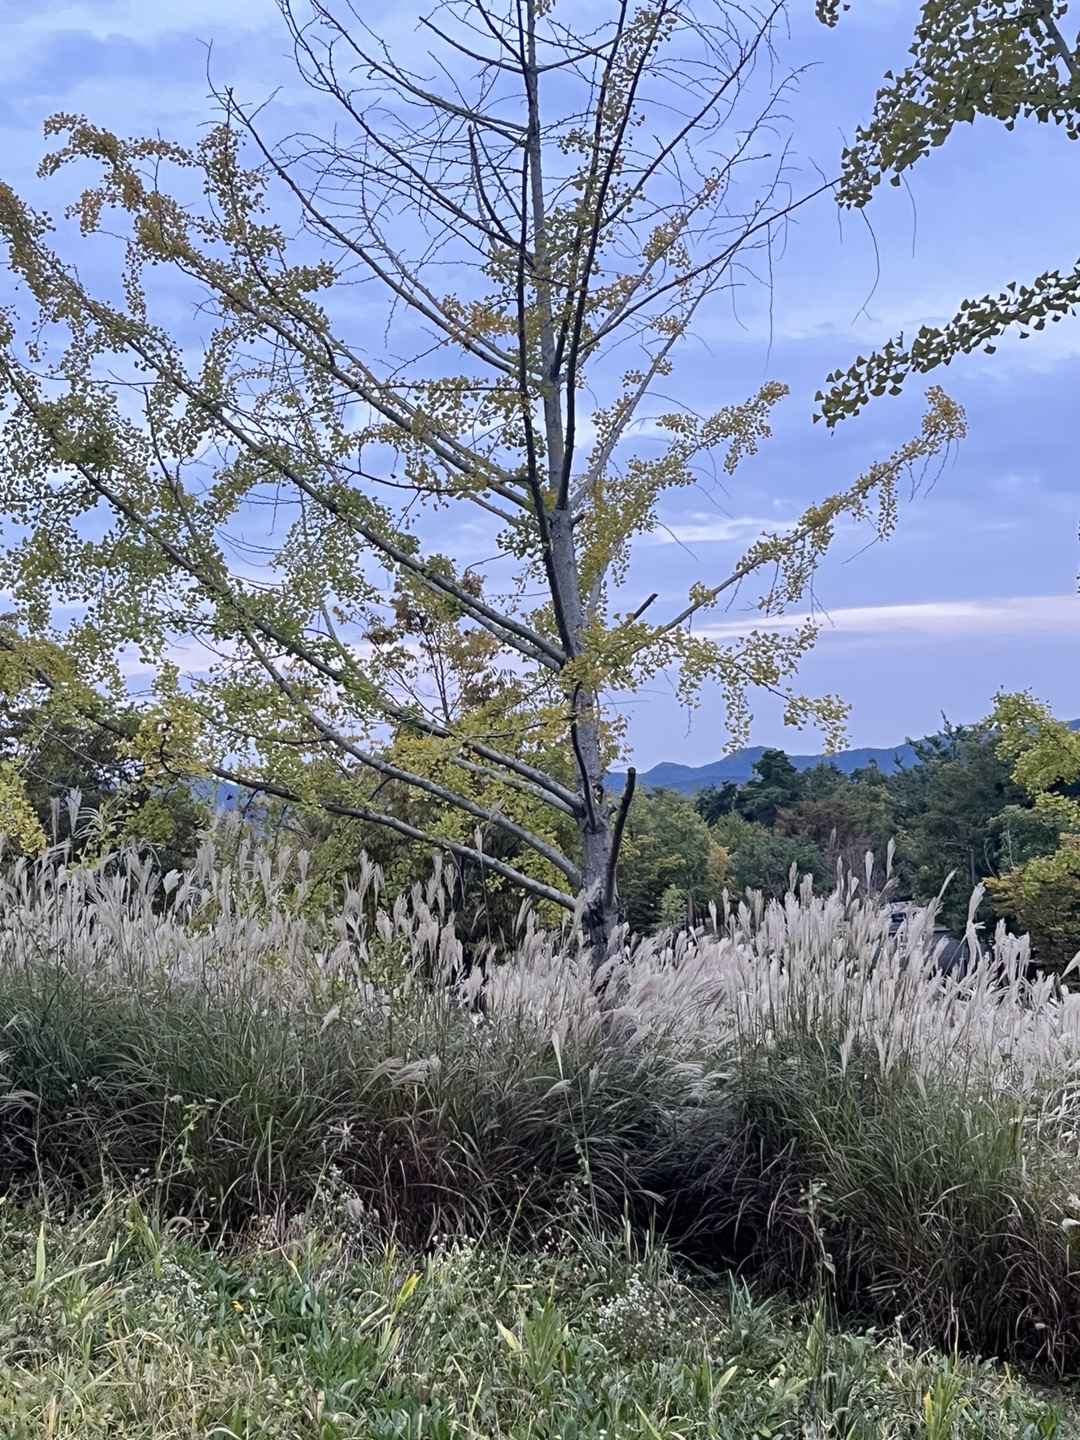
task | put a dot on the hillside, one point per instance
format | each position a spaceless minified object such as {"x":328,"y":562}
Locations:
{"x":739,"y":767}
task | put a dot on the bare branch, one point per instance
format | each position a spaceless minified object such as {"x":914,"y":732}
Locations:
{"x":427,"y":786}
{"x":484,"y":60}
{"x":394,"y":75}
{"x":389,"y":821}
{"x":616,"y":840}
{"x":409,"y":289}
{"x":721,"y":258}
{"x":596,"y":194}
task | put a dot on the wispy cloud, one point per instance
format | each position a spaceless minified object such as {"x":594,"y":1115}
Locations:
{"x":931,"y":619}
{"x":708,"y":529}
{"x":132,"y":20}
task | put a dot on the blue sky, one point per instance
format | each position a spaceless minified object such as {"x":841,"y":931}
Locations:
{"x":977,"y":590}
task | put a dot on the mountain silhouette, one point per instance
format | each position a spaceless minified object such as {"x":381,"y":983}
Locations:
{"x":739,"y":767}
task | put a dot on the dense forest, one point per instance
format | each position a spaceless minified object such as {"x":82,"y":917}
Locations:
{"x":956,"y":812}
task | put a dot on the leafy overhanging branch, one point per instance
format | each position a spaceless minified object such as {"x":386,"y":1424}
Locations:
{"x":795,"y":553}
{"x":80,"y":704}
{"x":513,"y":632}
{"x":164,"y":231}
{"x":976,"y":325}
{"x":1004,"y":59}
{"x":215,"y":586}
{"x":429,"y":839}
{"x":344,"y":746}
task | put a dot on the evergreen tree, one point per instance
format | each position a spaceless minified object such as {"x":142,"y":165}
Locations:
{"x":944,"y":809}
{"x":716,"y":800}
{"x":777,"y":785}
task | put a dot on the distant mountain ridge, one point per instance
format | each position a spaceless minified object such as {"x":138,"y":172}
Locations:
{"x":739,"y":767}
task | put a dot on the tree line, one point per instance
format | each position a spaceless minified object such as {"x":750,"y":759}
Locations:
{"x":962,"y":814}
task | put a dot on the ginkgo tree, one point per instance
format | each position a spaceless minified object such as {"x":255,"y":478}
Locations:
{"x":453,"y":303}
{"x":1004,"y":60}
{"x":1042,"y":892}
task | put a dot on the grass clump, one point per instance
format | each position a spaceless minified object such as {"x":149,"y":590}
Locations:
{"x":905,"y":1138}
{"x":793,"y":1092}
{"x":115,"y":1322}
{"x":221,"y":1045}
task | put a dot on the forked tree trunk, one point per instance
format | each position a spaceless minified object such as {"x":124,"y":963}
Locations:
{"x":602,"y":915}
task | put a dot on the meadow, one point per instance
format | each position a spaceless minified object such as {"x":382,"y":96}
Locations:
{"x":269,"y":1170}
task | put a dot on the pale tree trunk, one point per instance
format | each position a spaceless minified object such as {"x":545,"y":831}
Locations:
{"x":603,"y":912}
{"x":600,"y":837}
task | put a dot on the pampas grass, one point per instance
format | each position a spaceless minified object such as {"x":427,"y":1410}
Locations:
{"x":792,"y":1090}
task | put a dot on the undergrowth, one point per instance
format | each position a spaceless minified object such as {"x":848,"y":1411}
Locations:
{"x":114,"y":1323}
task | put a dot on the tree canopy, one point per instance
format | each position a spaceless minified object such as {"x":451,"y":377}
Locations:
{"x":1040,"y":885}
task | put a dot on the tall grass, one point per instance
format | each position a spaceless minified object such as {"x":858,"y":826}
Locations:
{"x":199,"y":1030}
{"x":792,"y":1090}
{"x":906,"y":1138}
